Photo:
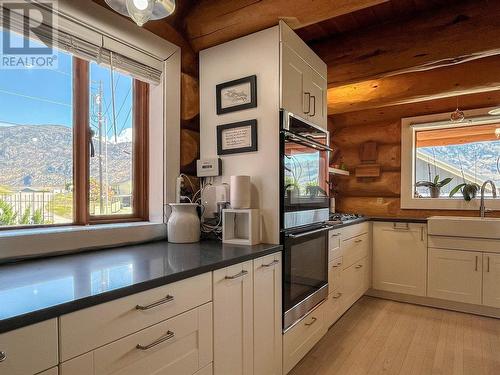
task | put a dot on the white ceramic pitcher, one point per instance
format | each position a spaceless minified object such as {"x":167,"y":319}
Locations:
{"x":183,"y":224}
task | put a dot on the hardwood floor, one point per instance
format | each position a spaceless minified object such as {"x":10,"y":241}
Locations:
{"x":384,"y":337}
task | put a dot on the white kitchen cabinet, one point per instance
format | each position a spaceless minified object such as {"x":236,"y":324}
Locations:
{"x":302,"y":336}
{"x":316,"y":85}
{"x":303,"y":79}
{"x":334,"y":274}
{"x":355,"y":281}
{"x":455,"y":275}
{"x":87,"y":329}
{"x":400,"y":257}
{"x":335,"y":306}
{"x":181,"y":345}
{"x":267,"y":315}
{"x":294,"y":74}
{"x":334,"y":244}
{"x":29,"y":350}
{"x":233,"y":320}
{"x":491,"y":280}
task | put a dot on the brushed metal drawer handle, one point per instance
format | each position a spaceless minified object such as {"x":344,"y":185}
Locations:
{"x":337,"y":296}
{"x":359,"y":266}
{"x":313,"y":320}
{"x":488,"y":267}
{"x":168,"y":336}
{"x":274,"y":262}
{"x":167,"y":299}
{"x":237,"y":276}
{"x":358,"y":241}
{"x":336,"y":265}
{"x":3,"y":356}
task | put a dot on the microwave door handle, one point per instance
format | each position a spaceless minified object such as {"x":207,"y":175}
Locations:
{"x":306,"y":141}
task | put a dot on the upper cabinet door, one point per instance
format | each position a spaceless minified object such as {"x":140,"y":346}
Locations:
{"x":294,"y":74}
{"x":491,"y":280}
{"x":317,"y":86}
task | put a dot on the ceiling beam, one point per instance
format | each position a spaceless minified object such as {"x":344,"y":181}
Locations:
{"x":213,"y":22}
{"x":472,"y":77}
{"x":452,"y":35}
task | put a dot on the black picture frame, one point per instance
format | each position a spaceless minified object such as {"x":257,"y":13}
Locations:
{"x":219,"y":89}
{"x":234,"y":125}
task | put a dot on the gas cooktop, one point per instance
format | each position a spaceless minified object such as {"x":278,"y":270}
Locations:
{"x":341,"y":218}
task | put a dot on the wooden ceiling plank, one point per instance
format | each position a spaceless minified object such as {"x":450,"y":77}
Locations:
{"x":474,"y":76}
{"x":451,"y":35}
{"x":213,"y":22}
{"x":375,"y":116}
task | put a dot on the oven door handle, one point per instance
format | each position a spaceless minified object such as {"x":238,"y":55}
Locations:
{"x":308,"y":233}
{"x":306,"y":141}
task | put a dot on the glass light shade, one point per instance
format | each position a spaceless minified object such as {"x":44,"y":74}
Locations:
{"x":140,"y":11}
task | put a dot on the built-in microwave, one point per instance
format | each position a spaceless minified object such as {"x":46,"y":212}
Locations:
{"x":304,"y":153}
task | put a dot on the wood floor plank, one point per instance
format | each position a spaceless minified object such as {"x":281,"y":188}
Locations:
{"x":385,"y":337}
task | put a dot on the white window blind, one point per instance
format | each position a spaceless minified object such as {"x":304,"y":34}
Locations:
{"x":86,"y":43}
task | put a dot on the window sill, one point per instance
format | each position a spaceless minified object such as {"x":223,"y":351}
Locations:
{"x":36,"y":242}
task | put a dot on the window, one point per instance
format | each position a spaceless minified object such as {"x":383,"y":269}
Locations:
{"x":445,"y":162}
{"x":73,"y":144}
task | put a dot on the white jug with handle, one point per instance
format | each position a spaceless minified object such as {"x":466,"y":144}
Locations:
{"x":183,"y":224}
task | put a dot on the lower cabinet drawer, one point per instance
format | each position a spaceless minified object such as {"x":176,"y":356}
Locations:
{"x":334,"y":274}
{"x":29,"y":350}
{"x":301,"y":338}
{"x":335,"y":306}
{"x":85,"y":330}
{"x":181,"y":345}
{"x":354,"y":249}
{"x":355,"y":281}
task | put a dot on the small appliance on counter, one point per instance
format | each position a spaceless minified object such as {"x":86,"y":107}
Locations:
{"x":240,"y":223}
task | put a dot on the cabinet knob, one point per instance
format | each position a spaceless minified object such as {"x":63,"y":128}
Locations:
{"x":359,"y":266}
{"x":3,"y":356}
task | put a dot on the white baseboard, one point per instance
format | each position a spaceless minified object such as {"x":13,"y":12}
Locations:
{"x":435,"y":302}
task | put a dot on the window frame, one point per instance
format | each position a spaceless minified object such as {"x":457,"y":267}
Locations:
{"x":81,"y":155}
{"x":408,"y":201}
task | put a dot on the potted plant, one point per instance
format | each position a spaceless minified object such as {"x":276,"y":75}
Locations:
{"x":434,"y":186}
{"x":469,"y":191}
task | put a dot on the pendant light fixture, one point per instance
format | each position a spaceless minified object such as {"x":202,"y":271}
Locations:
{"x":457,"y":115}
{"x":141,"y":11}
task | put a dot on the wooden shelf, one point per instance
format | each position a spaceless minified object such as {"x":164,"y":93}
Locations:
{"x":338,"y":171}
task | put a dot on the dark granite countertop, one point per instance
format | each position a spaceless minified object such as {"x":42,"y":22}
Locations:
{"x":35,"y":290}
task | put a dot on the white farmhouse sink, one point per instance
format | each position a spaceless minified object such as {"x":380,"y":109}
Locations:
{"x":458,"y":226}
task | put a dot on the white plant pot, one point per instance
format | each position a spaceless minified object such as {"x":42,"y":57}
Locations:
{"x":183,"y":224}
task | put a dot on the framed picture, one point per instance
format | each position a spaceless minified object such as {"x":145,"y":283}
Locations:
{"x":237,"y":137}
{"x":237,"y":95}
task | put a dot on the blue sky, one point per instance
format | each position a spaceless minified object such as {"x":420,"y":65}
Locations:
{"x":44,"y":96}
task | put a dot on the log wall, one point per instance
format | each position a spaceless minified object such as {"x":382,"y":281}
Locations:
{"x":381,"y":196}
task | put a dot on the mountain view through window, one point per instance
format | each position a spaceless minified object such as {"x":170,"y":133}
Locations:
{"x":37,"y":143}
